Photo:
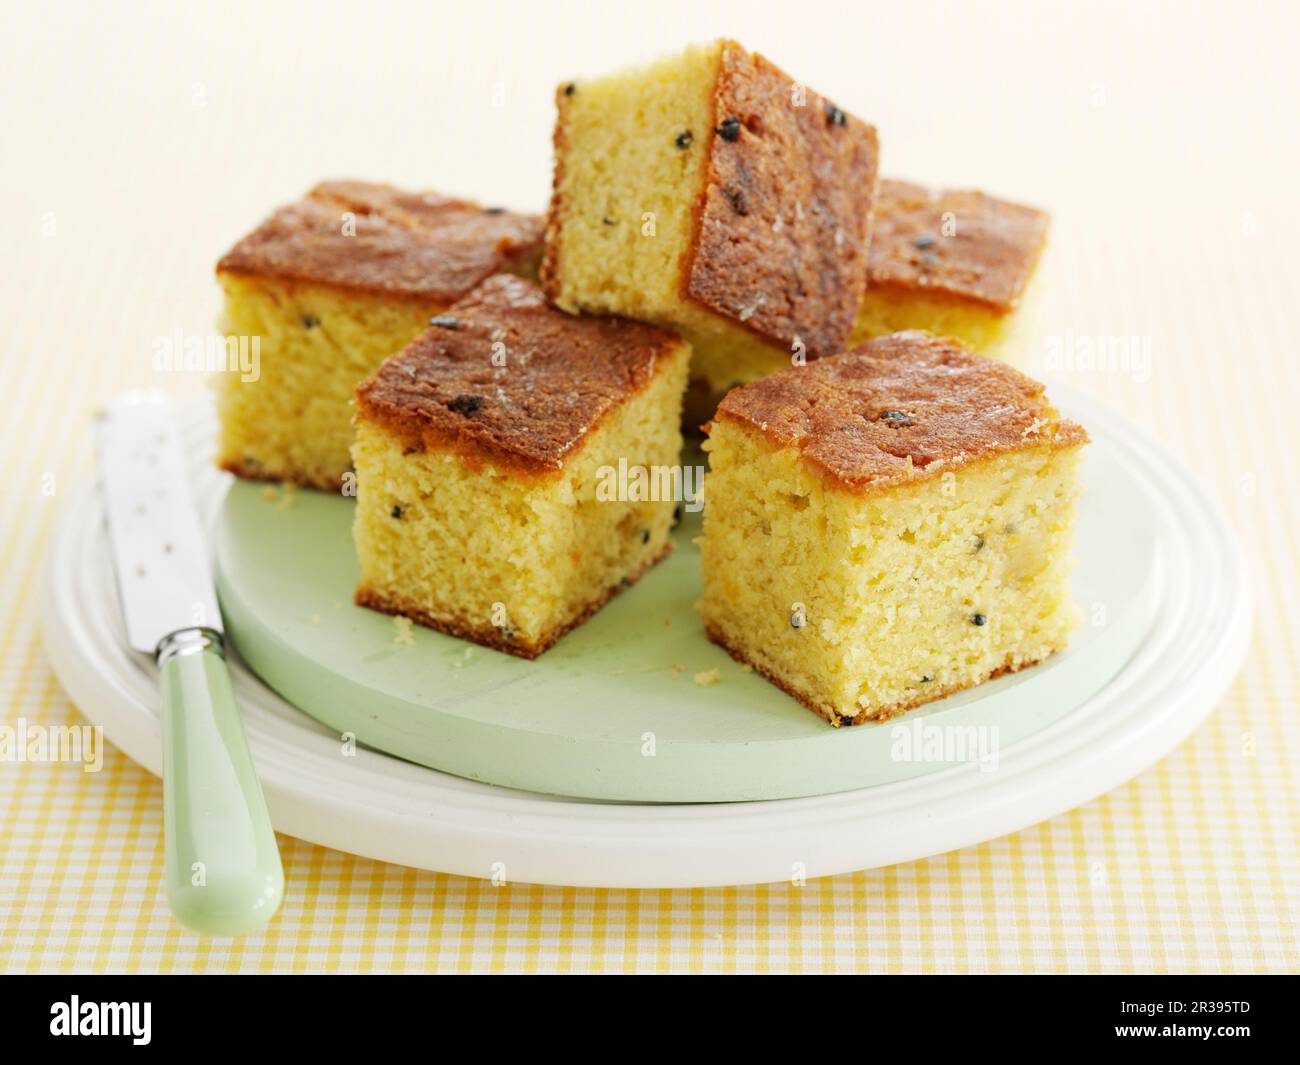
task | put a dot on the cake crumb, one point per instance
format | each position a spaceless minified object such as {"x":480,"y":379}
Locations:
{"x":270,"y":493}
{"x":708,"y":677}
{"x":288,"y":497}
{"x":315,"y":619}
{"x":403,"y":626}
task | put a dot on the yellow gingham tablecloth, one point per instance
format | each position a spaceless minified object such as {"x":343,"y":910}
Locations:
{"x":1162,"y":137}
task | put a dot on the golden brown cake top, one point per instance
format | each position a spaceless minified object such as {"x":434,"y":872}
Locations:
{"x":965,"y":245}
{"x":899,"y":408}
{"x":380,"y":240}
{"x":781,"y":232}
{"x":502,"y":375}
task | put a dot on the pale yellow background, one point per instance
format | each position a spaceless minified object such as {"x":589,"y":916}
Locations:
{"x":1163,"y":138}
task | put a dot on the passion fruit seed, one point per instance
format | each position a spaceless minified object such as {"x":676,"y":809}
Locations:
{"x":730,"y":129}
{"x":445,"y":321}
{"x":684,"y":139}
{"x":466,"y":404}
{"x":978,"y":619}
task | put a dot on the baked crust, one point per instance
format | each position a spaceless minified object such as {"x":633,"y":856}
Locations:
{"x":879,"y":714}
{"x":784,"y":217}
{"x":550,"y":271}
{"x":491,"y":635}
{"x":246,"y":471}
{"x":407,"y":245}
{"x":562,"y":375}
{"x":900,"y":408}
{"x":988,"y":260}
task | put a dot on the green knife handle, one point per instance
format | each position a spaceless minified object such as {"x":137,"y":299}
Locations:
{"x":222,"y":865}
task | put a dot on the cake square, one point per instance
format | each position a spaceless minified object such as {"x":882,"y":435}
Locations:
{"x":484,"y":453}
{"x":712,"y":193}
{"x":955,"y":263}
{"x":331,"y":286}
{"x":888,"y":526}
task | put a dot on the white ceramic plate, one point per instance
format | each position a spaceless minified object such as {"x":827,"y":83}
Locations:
{"x":1193,"y":637}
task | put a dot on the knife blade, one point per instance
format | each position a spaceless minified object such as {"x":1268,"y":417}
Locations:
{"x":222,"y":866}
{"x":163,"y":575}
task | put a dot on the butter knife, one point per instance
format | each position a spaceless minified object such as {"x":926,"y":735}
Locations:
{"x":221,"y":863}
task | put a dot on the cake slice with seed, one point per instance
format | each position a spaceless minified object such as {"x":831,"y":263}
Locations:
{"x":331,"y":286}
{"x":713,"y":193}
{"x":488,"y":504}
{"x":955,"y":263}
{"x":889,"y":525}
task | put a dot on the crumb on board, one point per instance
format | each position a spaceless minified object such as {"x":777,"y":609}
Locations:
{"x":315,"y":619}
{"x":678,"y":669}
{"x":709,"y":676}
{"x":288,"y":497}
{"x":270,"y":493}
{"x":403,"y":626}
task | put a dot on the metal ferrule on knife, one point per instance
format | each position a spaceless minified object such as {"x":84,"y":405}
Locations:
{"x":189,"y":642}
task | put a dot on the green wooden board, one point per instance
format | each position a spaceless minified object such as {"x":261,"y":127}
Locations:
{"x":604,"y":714}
